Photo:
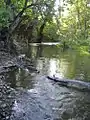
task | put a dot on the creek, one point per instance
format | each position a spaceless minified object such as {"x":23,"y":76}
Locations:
{"x":38,"y":98}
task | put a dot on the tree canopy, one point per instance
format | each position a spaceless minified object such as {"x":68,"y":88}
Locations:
{"x":66,"y":21}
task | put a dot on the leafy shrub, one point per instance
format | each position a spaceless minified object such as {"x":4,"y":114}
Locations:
{"x":5,"y":17}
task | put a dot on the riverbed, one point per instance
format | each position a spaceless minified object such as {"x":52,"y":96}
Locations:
{"x":38,"y":98}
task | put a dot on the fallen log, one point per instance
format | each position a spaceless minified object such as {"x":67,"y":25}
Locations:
{"x":82,"y":85}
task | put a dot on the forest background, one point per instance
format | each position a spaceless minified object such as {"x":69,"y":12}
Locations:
{"x":64,"y":21}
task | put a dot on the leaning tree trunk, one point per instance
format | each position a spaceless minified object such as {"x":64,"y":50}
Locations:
{"x":11,"y":29}
{"x":5,"y":36}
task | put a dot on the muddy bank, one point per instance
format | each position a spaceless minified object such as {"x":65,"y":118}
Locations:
{"x":7,"y":96}
{"x":9,"y":62}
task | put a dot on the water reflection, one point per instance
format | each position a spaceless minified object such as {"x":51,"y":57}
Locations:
{"x":51,"y":60}
{"x":38,"y":98}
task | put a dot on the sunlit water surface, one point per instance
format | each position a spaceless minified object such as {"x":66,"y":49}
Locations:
{"x":38,"y":98}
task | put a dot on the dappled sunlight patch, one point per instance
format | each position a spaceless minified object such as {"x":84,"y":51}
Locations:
{"x":83,"y":50}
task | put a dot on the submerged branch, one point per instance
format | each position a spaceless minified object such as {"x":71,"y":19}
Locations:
{"x":71,"y":83}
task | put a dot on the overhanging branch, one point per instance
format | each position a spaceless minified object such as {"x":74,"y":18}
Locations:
{"x":17,"y":19}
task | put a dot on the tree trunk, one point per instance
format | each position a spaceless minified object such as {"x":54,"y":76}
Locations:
{"x":40,"y":34}
{"x":79,"y":22}
{"x":85,"y":23}
{"x":6,"y":33}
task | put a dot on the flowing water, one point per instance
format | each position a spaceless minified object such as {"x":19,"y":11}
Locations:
{"x":38,"y":98}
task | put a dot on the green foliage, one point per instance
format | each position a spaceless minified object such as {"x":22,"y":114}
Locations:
{"x":51,"y":31}
{"x":83,"y":50}
{"x":5,"y":17}
{"x":72,"y":29}
{"x":75,"y":27}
